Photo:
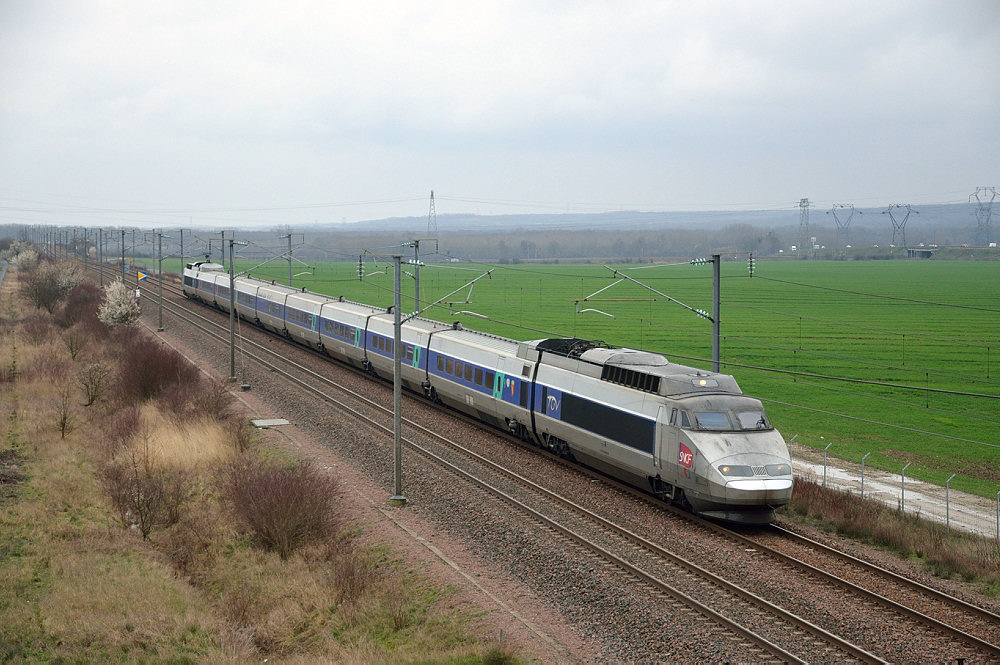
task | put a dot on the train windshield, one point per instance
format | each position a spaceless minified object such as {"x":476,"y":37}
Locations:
{"x":753,"y":420}
{"x":722,"y":421}
{"x":714,"y":420}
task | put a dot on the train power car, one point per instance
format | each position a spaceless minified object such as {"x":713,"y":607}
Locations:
{"x":689,"y":436}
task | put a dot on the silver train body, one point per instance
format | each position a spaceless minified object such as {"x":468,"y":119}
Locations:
{"x":689,"y":436}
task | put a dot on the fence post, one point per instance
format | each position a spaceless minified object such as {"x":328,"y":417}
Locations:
{"x":863,"y":458}
{"x":824,"y":461}
{"x":902,"y":490}
{"x":947,"y":504}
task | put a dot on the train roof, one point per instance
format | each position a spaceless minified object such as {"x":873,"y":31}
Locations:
{"x":642,"y":370}
{"x":633,"y":368}
{"x":207,"y":266}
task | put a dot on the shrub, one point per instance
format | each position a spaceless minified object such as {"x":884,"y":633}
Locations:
{"x":147,"y":368}
{"x":24,"y":260}
{"x":352,"y":574}
{"x":242,"y":434}
{"x":38,"y":327}
{"x":144,"y":495}
{"x":81,"y":303}
{"x":283,"y":507}
{"x":48,"y":284}
{"x":119,"y":428}
{"x":201,"y":398}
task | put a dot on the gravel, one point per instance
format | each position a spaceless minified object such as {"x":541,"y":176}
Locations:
{"x":570,"y":608}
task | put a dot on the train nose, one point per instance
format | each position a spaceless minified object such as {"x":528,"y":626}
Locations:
{"x":773,"y":491}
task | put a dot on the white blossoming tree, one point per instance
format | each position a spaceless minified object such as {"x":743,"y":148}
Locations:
{"x":24,"y":260}
{"x":119,"y":307}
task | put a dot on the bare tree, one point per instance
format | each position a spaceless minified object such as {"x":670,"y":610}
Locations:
{"x":93,"y":379}
{"x":64,"y":413}
{"x":144,"y":495}
{"x":75,"y":341}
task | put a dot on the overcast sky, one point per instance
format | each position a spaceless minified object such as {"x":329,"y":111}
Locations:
{"x":200,"y":113}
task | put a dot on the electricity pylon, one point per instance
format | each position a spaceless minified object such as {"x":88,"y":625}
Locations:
{"x":984,"y":197}
{"x":843,"y":225}
{"x":899,"y":226}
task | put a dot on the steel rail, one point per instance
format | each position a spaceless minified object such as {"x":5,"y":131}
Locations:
{"x":995,"y":651}
{"x":827,"y":637}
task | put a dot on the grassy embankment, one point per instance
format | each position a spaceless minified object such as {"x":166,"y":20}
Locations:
{"x":124,"y":534}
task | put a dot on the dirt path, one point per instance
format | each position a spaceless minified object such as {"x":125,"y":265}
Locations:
{"x":967,"y":511}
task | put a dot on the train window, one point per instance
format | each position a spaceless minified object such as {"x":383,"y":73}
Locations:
{"x":440,"y":363}
{"x":753,"y":420}
{"x":479,"y":377}
{"x":409,"y":352}
{"x":458,"y":370}
{"x":449,"y":366}
{"x":673,"y":416}
{"x":526,"y":370}
{"x":489,"y":380}
{"x":685,"y":422}
{"x":468,"y":372}
{"x":712,"y":420}
{"x":388,"y":346}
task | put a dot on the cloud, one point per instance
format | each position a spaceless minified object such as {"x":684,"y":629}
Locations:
{"x":634,"y":102}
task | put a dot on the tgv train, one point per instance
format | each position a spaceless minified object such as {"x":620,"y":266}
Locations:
{"x":689,"y":436}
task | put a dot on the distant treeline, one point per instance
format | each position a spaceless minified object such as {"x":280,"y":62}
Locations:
{"x":623,"y":237}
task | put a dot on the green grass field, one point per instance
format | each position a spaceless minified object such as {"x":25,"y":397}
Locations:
{"x":929,"y":328}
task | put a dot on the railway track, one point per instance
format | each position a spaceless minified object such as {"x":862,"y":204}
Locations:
{"x":789,"y":637}
{"x":644,"y":562}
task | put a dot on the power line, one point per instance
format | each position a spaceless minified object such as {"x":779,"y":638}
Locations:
{"x":891,"y":400}
{"x":840,"y":322}
{"x":884,"y":297}
{"x":880,"y":423}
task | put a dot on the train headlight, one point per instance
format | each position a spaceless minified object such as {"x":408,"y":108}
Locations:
{"x":735,"y":470}
{"x":779,"y":469}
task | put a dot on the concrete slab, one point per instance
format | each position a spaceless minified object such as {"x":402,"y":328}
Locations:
{"x":269,"y":422}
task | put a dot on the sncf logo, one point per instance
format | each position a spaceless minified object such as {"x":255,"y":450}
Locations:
{"x":685,"y":457}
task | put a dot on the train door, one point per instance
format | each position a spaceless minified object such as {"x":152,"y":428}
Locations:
{"x":672,"y":448}
{"x":661,"y":437}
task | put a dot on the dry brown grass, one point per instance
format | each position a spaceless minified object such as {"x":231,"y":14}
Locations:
{"x":189,"y":445}
{"x":75,"y":586}
{"x":948,"y":554}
